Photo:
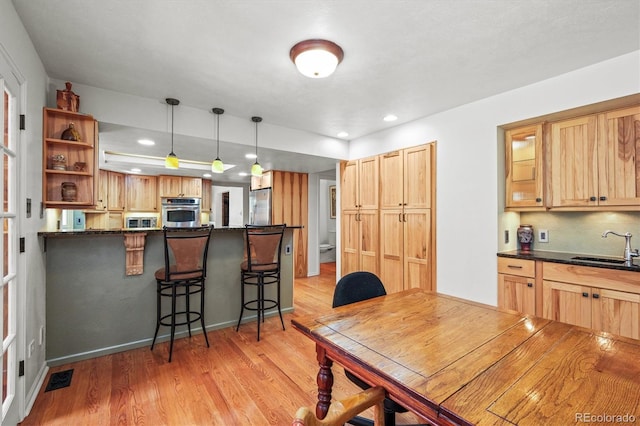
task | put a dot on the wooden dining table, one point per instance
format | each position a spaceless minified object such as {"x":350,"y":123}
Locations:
{"x":453,"y":361}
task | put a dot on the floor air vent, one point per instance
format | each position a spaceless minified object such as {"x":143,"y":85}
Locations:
{"x":59,"y":380}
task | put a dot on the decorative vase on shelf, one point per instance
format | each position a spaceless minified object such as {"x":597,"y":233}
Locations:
{"x":70,"y":134}
{"x":69,"y":191}
{"x":525,"y":237}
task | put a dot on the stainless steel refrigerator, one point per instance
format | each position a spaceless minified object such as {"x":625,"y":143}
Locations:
{"x":260,"y":207}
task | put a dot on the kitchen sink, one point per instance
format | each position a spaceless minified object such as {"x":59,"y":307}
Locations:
{"x":599,"y":259}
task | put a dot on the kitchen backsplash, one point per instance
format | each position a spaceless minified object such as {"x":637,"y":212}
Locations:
{"x":581,"y":232}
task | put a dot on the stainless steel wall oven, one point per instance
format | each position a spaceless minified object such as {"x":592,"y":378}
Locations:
{"x":180,"y":212}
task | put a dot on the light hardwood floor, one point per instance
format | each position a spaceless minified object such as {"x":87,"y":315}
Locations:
{"x":237,"y":381}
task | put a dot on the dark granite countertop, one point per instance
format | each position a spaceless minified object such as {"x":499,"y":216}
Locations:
{"x":570,"y":259}
{"x":122,"y":231}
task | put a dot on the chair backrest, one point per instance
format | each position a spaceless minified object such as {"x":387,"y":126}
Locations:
{"x":185,"y":252}
{"x":263,"y":246}
{"x":357,"y":286}
{"x":342,"y":411}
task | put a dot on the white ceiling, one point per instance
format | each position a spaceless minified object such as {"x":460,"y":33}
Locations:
{"x":412,"y":58}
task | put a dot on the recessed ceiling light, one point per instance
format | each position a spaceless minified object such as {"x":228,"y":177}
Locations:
{"x":243,"y":174}
{"x":207,"y":175}
{"x":135,"y":170}
{"x":390,"y":117}
{"x":147,"y":142}
{"x":250,"y":155}
{"x":343,"y":134}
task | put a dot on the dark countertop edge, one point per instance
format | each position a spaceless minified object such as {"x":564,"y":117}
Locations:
{"x":566,"y":258}
{"x":87,"y":232}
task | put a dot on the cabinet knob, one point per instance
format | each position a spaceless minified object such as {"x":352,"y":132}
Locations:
{"x":592,"y":198}
{"x":596,"y":296}
{"x":603,"y":198}
{"x":529,"y":284}
{"x":585,"y":294}
{"x":538,"y":200}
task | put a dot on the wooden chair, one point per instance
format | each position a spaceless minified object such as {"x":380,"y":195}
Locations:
{"x":342,"y":411}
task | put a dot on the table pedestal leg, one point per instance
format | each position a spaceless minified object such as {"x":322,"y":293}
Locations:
{"x":325,"y":383}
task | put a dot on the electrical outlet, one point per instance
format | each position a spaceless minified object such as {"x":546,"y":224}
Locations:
{"x":32,"y":348}
{"x":41,"y":340}
{"x":543,"y":236}
{"x":287,"y":249}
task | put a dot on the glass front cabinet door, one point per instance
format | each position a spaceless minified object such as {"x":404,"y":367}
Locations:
{"x":524,"y":168}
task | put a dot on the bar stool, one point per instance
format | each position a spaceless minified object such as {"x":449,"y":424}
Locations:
{"x":263,"y":246}
{"x":184,"y":274}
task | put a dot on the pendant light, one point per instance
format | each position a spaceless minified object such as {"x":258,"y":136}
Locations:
{"x":256,"y":169}
{"x":171,"y":162}
{"x":217,"y":166}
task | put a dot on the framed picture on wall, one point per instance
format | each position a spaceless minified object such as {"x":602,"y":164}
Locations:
{"x":332,"y":201}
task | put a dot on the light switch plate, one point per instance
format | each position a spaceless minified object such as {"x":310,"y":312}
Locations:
{"x":543,"y":236}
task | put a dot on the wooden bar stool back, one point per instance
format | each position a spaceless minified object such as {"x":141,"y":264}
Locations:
{"x":263,"y":247}
{"x":184,"y":274}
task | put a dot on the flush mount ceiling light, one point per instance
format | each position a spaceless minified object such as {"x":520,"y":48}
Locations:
{"x":171,"y":162}
{"x":217,"y":166}
{"x":256,"y":169}
{"x":316,"y":58}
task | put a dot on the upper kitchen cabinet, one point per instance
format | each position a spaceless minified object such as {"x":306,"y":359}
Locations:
{"x":405,"y":178}
{"x":206,"y":196}
{"x":574,"y":162}
{"x":111,"y":191}
{"x":524,"y":171}
{"x":70,"y":159}
{"x":179,"y":186}
{"x":359,"y":184}
{"x":593,"y":161}
{"x":618,"y":152}
{"x":141,"y":193}
{"x":261,"y":182}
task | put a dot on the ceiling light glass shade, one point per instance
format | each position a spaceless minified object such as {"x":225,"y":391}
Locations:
{"x":316,"y":58}
{"x":171,"y":162}
{"x":256,"y":169}
{"x":217,"y":166}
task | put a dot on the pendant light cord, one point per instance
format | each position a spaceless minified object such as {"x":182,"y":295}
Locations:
{"x":217,"y":135}
{"x":172,"y":129}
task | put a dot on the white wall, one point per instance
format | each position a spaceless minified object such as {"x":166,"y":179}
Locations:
{"x":16,"y":47}
{"x":467,"y":212}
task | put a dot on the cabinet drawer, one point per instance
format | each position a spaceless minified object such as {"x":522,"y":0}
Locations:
{"x":612,"y":279}
{"x":520,"y":267}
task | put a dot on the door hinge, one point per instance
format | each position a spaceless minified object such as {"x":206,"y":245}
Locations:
{"x":22,"y":122}
{"x":21,"y":244}
{"x":21,"y":369}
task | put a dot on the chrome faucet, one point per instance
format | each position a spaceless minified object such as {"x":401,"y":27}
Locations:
{"x":628,"y":253}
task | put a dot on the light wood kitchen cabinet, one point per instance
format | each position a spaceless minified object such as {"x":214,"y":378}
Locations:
{"x":206,"y":196}
{"x":261,"y":182}
{"x":141,"y":193}
{"x":598,"y":298}
{"x":618,"y":164}
{"x":73,"y":163}
{"x":593,"y":160}
{"x":179,"y":186}
{"x":359,"y":184}
{"x":574,"y":165}
{"x":405,"y":178}
{"x":516,"y":285}
{"x":524,"y":170}
{"x":116,"y":198}
{"x":111,"y":191}
{"x":405,"y":219}
{"x":360,"y":241}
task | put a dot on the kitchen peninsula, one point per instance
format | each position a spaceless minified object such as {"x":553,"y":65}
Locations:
{"x":94,"y":308}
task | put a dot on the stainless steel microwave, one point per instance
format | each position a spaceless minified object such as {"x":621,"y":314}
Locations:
{"x":142,"y":222}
